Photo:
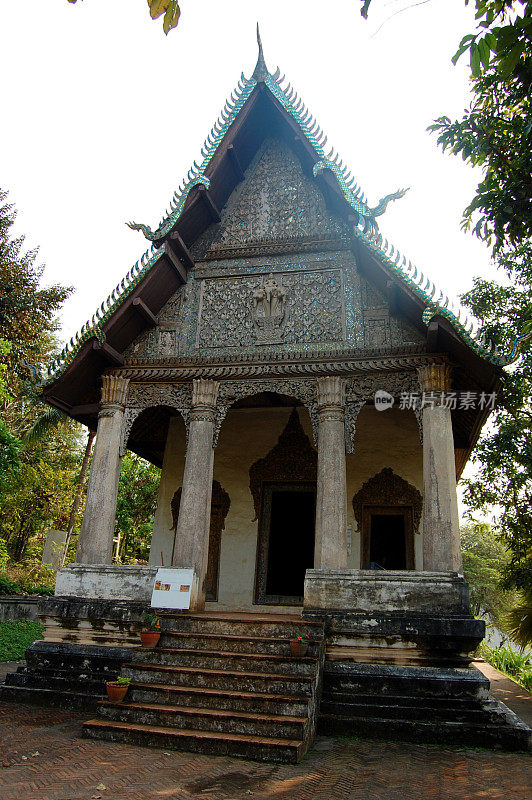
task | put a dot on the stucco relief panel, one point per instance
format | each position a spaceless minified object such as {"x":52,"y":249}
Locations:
{"x":314,"y":309}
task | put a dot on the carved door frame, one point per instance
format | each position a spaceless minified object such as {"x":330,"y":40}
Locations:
{"x":263,"y":542}
{"x":406,"y":512}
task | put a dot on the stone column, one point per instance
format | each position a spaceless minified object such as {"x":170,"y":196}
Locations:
{"x":96,"y":535}
{"x":191,"y":546}
{"x":441,"y":533}
{"x":331,"y":502}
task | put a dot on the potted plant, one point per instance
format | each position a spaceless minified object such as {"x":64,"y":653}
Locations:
{"x":150,"y":633}
{"x":116,"y":690}
{"x":299,"y":646}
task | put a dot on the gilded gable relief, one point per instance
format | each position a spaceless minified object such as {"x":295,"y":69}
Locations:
{"x":276,"y":308}
{"x":274,"y":201}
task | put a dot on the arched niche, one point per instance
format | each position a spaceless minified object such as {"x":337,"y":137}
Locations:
{"x":142,"y":398}
{"x":146,"y":432}
{"x":387,"y":510}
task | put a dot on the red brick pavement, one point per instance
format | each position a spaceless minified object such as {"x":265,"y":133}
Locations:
{"x":43,"y":757}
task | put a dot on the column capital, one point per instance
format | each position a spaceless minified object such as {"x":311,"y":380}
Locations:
{"x":435,"y":377}
{"x":204,"y":393}
{"x":114,"y":392}
{"x":331,"y":393}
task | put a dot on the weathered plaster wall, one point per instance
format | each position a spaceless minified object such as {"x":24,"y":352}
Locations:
{"x":383,"y":439}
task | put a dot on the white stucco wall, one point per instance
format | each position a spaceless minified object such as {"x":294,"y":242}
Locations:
{"x":383,"y":439}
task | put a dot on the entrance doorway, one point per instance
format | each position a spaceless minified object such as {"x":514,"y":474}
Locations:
{"x":387,"y":540}
{"x":286,"y":542}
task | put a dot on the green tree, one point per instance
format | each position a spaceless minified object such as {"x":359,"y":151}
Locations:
{"x":503,"y":457}
{"x":36,"y":479}
{"x":485,"y":555}
{"x":27,"y":309}
{"x":137,"y":498}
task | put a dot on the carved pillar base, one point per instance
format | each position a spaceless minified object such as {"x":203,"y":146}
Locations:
{"x":330,"y":550}
{"x":441,"y":532}
{"x":96,"y":535}
{"x":191,"y":546}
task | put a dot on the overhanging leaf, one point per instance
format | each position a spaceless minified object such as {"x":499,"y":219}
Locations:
{"x":171,"y":18}
{"x":158,"y":7}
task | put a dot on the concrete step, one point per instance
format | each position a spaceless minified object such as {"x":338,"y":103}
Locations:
{"x":208,"y":742}
{"x":259,"y":702}
{"x":390,"y":681}
{"x":344,"y":698}
{"x":226,"y":660}
{"x":67,"y":683}
{"x":232,"y":643}
{"x":499,"y":735}
{"x":207,"y":719}
{"x":83,"y":659}
{"x":251,"y":681}
{"x":56,"y":698}
{"x":257,"y":625}
{"x":482,"y":714}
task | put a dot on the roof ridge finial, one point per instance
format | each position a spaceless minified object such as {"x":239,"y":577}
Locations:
{"x":261,"y":70}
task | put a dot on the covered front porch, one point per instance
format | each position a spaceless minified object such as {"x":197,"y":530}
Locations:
{"x":264,"y":480}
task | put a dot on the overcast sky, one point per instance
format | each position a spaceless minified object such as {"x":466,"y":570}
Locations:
{"x":102,"y":116}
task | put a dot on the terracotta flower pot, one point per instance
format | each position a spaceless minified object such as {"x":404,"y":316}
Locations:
{"x":116,"y":691}
{"x":149,"y":638}
{"x":298,"y":648}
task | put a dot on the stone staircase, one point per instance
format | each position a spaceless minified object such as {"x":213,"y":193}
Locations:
{"x":417,"y":704}
{"x":221,"y":684}
{"x":66,"y":675}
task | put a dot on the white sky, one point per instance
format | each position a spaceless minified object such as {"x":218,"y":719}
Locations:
{"x":103,"y":116}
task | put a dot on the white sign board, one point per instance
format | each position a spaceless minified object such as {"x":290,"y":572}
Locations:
{"x":172,"y":588}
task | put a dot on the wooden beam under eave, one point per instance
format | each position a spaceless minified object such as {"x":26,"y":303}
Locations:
{"x":109,"y":353}
{"x":142,"y":309}
{"x":175,"y":262}
{"x":209,"y":203}
{"x":181,"y":250}
{"x":307,"y":162}
{"x":86,"y":410}
{"x":235,"y":163}
{"x":433,"y":331}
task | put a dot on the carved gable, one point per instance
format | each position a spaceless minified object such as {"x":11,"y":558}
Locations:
{"x":275,"y":200}
{"x":243,"y":297}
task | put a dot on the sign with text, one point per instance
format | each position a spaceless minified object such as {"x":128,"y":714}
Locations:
{"x":172,"y":588}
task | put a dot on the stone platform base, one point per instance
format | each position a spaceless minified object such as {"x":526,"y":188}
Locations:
{"x":395,"y":617}
{"x":417,"y":704}
{"x":106,"y":582}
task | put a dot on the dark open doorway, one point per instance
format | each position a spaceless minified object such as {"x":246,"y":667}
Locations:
{"x":286,"y":541}
{"x":387,"y":540}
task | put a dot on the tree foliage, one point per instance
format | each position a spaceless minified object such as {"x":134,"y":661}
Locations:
{"x":503,"y":457}
{"x":137,"y":498}
{"x":484,"y":556}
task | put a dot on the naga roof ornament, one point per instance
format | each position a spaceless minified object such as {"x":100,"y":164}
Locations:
{"x":365,"y":228}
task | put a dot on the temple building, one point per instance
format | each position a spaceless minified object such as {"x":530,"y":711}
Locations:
{"x":311,"y":399}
